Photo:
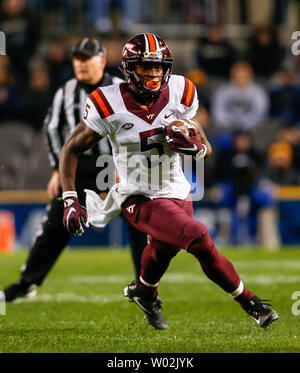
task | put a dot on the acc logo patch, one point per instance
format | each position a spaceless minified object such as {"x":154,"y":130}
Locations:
{"x":127,"y":126}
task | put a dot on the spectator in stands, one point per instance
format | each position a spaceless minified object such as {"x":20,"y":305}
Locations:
{"x":59,"y":62}
{"x":290,"y":134}
{"x":280,"y":10}
{"x":37,"y":99}
{"x":9,"y":95}
{"x":99,"y":15}
{"x":239,"y":165}
{"x":208,"y":12}
{"x":240,"y":103}
{"x":22,"y":32}
{"x":201,"y":81}
{"x":238,"y":173}
{"x":61,"y":13}
{"x":215,"y":55}
{"x":264,"y":51}
{"x":114,"y":48}
{"x":244,"y":11}
{"x":292,"y":63}
{"x":280,"y":170}
{"x":285,"y":97}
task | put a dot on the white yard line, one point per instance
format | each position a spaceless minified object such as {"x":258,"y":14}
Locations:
{"x":187,"y":277}
{"x":72,"y":297}
{"x":113,"y":279}
{"x":280,"y":264}
{"x":177,"y":277}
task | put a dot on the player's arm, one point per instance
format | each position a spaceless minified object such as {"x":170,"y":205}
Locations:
{"x":82,"y":139}
{"x":196,"y":144}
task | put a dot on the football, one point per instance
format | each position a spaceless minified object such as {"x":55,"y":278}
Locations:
{"x":182,"y":125}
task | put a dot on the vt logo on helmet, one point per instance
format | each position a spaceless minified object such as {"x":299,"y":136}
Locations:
{"x":149,"y":51}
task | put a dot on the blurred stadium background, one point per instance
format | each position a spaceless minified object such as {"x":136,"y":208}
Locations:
{"x":238,"y":54}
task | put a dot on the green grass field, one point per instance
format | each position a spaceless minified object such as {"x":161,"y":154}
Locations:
{"x":81,"y":308}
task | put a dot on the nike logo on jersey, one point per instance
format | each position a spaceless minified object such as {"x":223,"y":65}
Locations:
{"x":191,"y":149}
{"x":167,"y":116}
{"x":69,"y":213}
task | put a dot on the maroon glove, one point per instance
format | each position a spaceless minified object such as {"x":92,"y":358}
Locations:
{"x":190,"y":145}
{"x":74,"y":214}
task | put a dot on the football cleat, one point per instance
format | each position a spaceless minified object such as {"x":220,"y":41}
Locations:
{"x":150,"y":306}
{"x":19,"y":290}
{"x":263,"y":315}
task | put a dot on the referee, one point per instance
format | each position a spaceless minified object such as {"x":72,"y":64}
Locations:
{"x":89,"y":60}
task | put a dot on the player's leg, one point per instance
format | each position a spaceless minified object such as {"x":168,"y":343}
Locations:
{"x":49,"y":243}
{"x":155,"y":261}
{"x":138,"y":242}
{"x":156,"y":258}
{"x":221,"y":271}
{"x":170,"y":221}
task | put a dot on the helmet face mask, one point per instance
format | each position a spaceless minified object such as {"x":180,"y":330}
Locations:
{"x":149,"y":76}
{"x":146,"y":50}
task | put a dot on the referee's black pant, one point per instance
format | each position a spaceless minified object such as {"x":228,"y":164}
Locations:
{"x":54,"y":237}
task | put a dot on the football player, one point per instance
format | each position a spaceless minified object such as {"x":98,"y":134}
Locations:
{"x":134,"y":115}
{"x":89,"y":61}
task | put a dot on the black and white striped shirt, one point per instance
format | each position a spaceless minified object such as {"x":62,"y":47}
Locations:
{"x":66,"y":112}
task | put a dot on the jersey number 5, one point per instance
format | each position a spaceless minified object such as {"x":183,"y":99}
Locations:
{"x":144,"y":141}
{"x":155,"y":145}
{"x":87,"y":107}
